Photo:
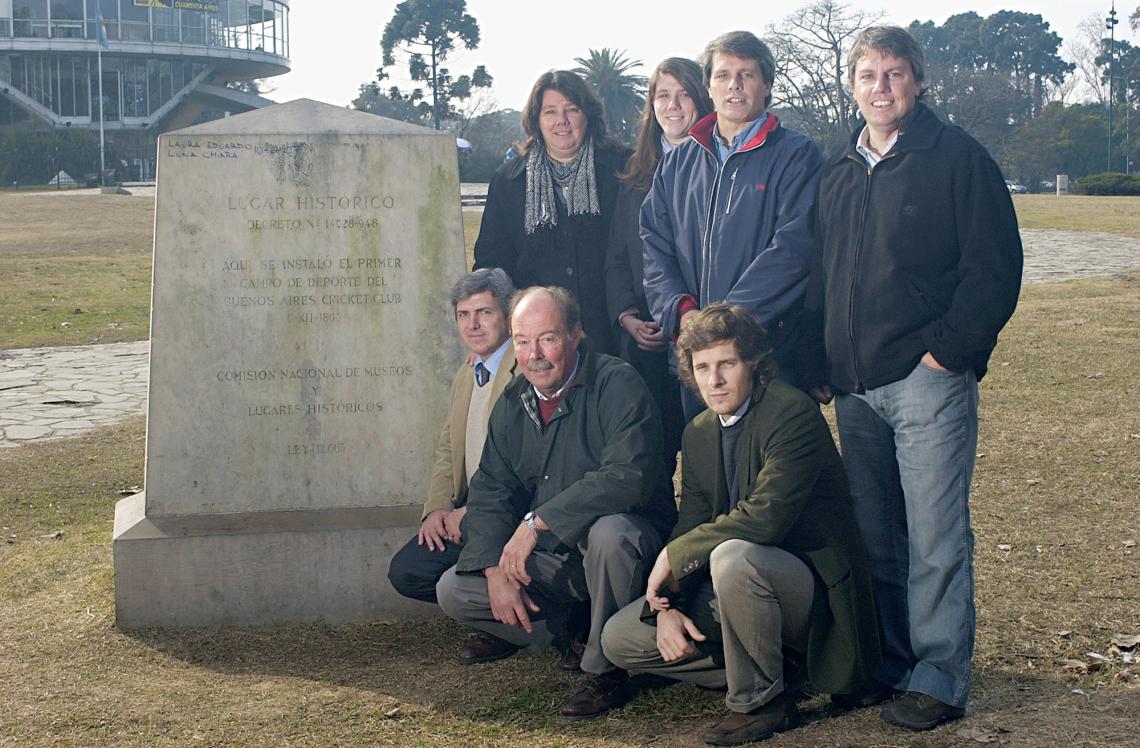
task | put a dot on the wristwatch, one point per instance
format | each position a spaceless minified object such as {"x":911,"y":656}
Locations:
{"x":528,"y":520}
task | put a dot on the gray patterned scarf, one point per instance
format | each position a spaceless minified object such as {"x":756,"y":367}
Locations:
{"x":576,"y":178}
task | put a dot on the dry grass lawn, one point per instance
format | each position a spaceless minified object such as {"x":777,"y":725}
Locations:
{"x":1112,"y":215}
{"x":1054,"y":511}
{"x":75,"y":269}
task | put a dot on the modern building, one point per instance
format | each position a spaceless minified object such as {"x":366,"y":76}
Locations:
{"x":166,"y":64}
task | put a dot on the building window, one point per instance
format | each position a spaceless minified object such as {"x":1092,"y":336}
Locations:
{"x":194,"y":26}
{"x":30,"y":18}
{"x":165,"y":24}
{"x":135,"y":22}
{"x":67,"y":19}
{"x":5,"y":17}
{"x":111,"y":93}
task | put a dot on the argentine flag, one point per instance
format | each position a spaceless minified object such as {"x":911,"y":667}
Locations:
{"x":101,"y":31}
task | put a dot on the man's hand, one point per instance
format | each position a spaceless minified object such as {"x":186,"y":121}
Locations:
{"x":676,"y":633}
{"x":647,"y":335}
{"x":660,"y":576}
{"x":432,"y":532}
{"x":515,"y":553}
{"x":929,"y":359}
{"x":509,"y":602}
{"x":451,"y":524}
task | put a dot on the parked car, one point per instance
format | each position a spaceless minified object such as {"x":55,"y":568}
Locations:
{"x":1016,"y":188}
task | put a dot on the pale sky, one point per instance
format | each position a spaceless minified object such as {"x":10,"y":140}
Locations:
{"x":335,"y":44}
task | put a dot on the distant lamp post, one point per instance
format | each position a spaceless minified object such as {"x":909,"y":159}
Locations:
{"x":1110,"y":24}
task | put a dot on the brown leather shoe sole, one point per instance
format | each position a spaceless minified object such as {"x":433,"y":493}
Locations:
{"x":738,"y":729}
{"x":486,"y":648}
{"x":598,"y":695}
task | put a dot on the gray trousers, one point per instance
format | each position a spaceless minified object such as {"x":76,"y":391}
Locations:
{"x":608,"y":569}
{"x":760,"y":595}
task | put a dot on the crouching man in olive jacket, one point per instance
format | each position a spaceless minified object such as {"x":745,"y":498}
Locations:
{"x":764,"y":570}
{"x":570,"y":502}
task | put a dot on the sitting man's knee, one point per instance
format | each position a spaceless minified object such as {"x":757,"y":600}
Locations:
{"x":610,"y":530}
{"x":617,"y":646}
{"x":402,"y":575}
{"x":727,"y":555}
{"x":446,"y":590}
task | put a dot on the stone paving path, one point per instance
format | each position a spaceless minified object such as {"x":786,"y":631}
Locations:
{"x":49,"y":393}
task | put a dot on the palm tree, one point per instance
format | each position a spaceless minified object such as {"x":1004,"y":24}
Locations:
{"x":622,"y":93}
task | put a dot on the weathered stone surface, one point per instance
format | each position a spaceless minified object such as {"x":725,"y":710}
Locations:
{"x":301,"y":350}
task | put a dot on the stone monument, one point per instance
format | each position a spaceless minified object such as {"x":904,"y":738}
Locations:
{"x":301,"y":354}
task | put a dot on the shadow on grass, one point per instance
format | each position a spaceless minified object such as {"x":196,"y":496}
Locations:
{"x":414,"y":664}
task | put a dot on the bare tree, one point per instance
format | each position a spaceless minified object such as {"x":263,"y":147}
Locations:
{"x":810,"y":47}
{"x":1083,"y":50}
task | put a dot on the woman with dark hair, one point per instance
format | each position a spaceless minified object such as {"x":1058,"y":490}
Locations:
{"x":676,"y":99}
{"x":548,"y":211}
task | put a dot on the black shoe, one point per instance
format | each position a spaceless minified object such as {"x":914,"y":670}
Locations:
{"x":868,"y":694}
{"x":735,"y":728}
{"x":486,"y":648}
{"x":917,"y":711}
{"x":598,"y":695}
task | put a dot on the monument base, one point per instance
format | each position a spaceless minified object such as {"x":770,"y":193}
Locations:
{"x":260,"y":569}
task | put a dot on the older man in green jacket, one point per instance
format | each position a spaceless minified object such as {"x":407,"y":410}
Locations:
{"x":765,"y":569}
{"x":570,"y":503}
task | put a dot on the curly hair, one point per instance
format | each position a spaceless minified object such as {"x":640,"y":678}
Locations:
{"x":721,"y":323}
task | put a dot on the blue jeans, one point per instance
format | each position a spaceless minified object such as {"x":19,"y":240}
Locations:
{"x":909,"y":449}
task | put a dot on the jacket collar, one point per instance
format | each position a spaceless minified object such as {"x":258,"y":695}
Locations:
{"x":703,"y":130}
{"x":918,"y":131}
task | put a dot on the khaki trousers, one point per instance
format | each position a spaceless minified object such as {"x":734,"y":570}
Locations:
{"x":608,"y":570}
{"x":760,"y":595}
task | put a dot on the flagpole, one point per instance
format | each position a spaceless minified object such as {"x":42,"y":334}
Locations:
{"x":102,"y":157}
{"x":101,"y":42}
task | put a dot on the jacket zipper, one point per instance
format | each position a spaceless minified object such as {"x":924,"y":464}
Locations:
{"x":706,"y":251}
{"x":855,"y":270}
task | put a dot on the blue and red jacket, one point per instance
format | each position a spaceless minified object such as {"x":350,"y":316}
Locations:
{"x":738,"y":232}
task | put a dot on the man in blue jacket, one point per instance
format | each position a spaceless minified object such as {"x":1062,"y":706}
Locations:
{"x":728,"y":217}
{"x":920,"y":269}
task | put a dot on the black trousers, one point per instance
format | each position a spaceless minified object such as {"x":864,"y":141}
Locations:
{"x":415,"y":570}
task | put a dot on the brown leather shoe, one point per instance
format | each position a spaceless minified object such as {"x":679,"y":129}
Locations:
{"x":868,"y":694}
{"x":735,"y":728}
{"x":486,"y":648}
{"x":571,"y":661}
{"x":918,"y":711}
{"x":598,"y":695}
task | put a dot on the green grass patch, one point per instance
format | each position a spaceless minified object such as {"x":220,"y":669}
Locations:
{"x":72,"y":300}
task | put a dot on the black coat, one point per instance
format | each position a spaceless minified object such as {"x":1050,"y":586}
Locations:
{"x":571,"y":254}
{"x":922,"y":253}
